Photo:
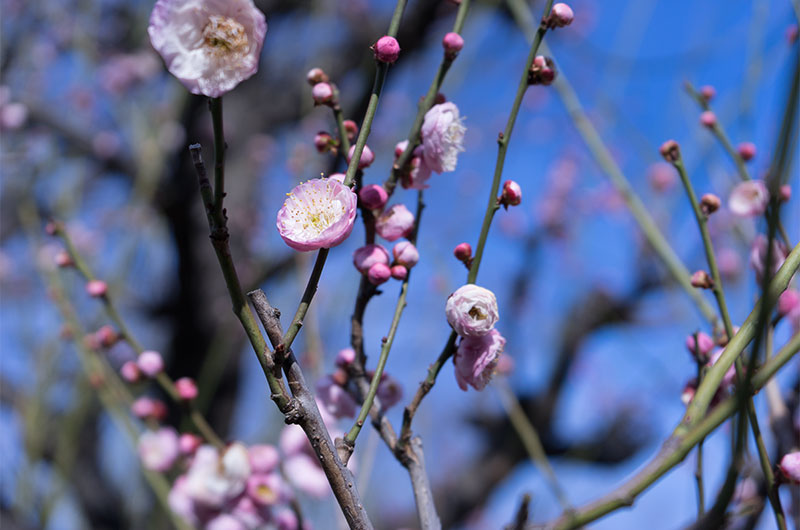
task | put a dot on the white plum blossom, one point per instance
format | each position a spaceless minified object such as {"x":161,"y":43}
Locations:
{"x":472,"y":311}
{"x":209,"y":45}
{"x":215,"y":479}
{"x":442,"y":137}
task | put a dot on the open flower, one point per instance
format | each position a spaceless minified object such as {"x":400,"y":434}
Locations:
{"x":158,"y":449}
{"x":317,"y":214}
{"x":749,"y":199}
{"x":442,"y":137}
{"x":209,"y":45}
{"x":472,"y":311}
{"x":476,"y":359}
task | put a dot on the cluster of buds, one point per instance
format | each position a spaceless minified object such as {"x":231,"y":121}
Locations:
{"x":511,"y":194}
{"x":561,"y":15}
{"x":542,"y":72}
{"x":374,"y":261}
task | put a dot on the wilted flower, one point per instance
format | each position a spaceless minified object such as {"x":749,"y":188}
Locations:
{"x":476,"y":358}
{"x":317,"y":214}
{"x":158,"y":449}
{"x":209,"y":45}
{"x":472,"y":311}
{"x":442,"y":137}
{"x":749,"y":199}
{"x":394,"y":223}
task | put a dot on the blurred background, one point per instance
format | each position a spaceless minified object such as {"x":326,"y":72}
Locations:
{"x":95,"y":134}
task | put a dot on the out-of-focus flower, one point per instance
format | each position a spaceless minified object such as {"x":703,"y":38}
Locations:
{"x":316,"y":75}
{"x":790,"y":467}
{"x":304,"y":472}
{"x":13,"y":116}
{"x":209,"y":45}
{"x":96,"y":288}
{"x":317,"y":214}
{"x":263,"y":458}
{"x":214,"y":479}
{"x":708,"y":119}
{"x":150,"y":363}
{"x":334,"y":398}
{"x":267,"y":489}
{"x":758,"y":256}
{"x":708,"y":92}
{"x":130,"y":372}
{"x":394,"y":223}
{"x":188,"y":443}
{"x":187,"y":388}
{"x":472,"y":311}
{"x":701,"y":280}
{"x":709,"y":203}
{"x":730,"y":375}
{"x":476,"y":358}
{"x":560,"y":15}
{"x":442,"y":137}
{"x":701,"y":347}
{"x":158,"y":449}
{"x":746,"y":150}
{"x":789,"y":307}
{"x":452,"y":44}
{"x":390,"y":392}
{"x":345,"y":357}
{"x":749,"y":199}
{"x":729,"y":262}
{"x":661,"y":176}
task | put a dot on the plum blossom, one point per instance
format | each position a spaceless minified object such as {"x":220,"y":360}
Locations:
{"x":158,"y":449}
{"x":442,"y":137}
{"x":368,"y":255}
{"x":790,"y":467}
{"x":476,"y":359}
{"x":472,"y":311}
{"x":209,"y":45}
{"x":317,"y":214}
{"x":335,"y":398}
{"x":749,"y":199}
{"x":215,"y":479}
{"x":394,"y":223}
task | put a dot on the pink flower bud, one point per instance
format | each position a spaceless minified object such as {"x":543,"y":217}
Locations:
{"x":791,"y":34}
{"x":158,"y":450}
{"x":542,"y":72}
{"x":334,"y":398}
{"x":345,"y":357}
{"x":708,"y":92}
{"x":405,"y":253}
{"x":708,"y":119}
{"x":96,"y":288}
{"x":394,"y":223}
{"x":323,"y":142}
{"x":187,"y":388}
{"x":316,"y":76}
{"x":159,"y":410}
{"x":670,"y":151}
{"x":367,"y":256}
{"x":150,"y":363}
{"x":130,"y":372}
{"x":788,"y":301}
{"x":373,"y":197}
{"x":704,"y":345}
{"x":462,"y":252}
{"x":106,"y":336}
{"x":400,"y":148}
{"x":379,"y":273}
{"x":452,"y":43}
{"x":351,"y":128}
{"x":399,"y":272}
{"x":367,"y":156}
{"x":143,"y":407}
{"x":389,"y":390}
{"x":785,"y":193}
{"x":747,"y":150}
{"x":702,"y":280}
{"x":709,"y":203}
{"x":511,"y":195}
{"x":387,"y":50}
{"x":758,"y":256}
{"x":263,"y":458}
{"x":63,"y":259}
{"x":561,"y":15}
{"x":188,"y":443}
{"x":661,"y":176}
{"x":749,"y":199}
{"x":322,"y":93}
{"x":790,"y":467}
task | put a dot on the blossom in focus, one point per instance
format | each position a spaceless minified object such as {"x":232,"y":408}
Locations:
{"x":790,"y":467}
{"x":472,"y":311}
{"x":406,"y":254}
{"x":749,"y":198}
{"x":394,"y":223}
{"x":317,"y":214}
{"x":209,"y":45}
{"x":368,"y":255}
{"x":387,"y":49}
{"x":158,"y":449}
{"x":476,"y":358}
{"x":442,"y":137}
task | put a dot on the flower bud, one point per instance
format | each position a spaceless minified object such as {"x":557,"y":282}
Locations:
{"x":709,"y":203}
{"x":373,"y":197}
{"x":452,"y":43}
{"x":130,"y":372}
{"x":379,"y":273}
{"x":511,"y":195}
{"x":324,"y":142}
{"x":322,"y":93}
{"x":747,"y":150}
{"x":143,"y":407}
{"x":542,"y":72}
{"x":785,"y":193}
{"x":700,"y":350}
{"x":661,"y":176}
{"x":463,"y":252}
{"x":788,"y":301}
{"x":351,"y":128}
{"x":150,"y":363}
{"x":96,"y":288}
{"x":670,"y":151}
{"x":387,"y":49}
{"x":63,"y":259}
{"x":405,"y":253}
{"x":188,"y":443}
{"x":394,"y":223}
{"x":187,"y":388}
{"x":708,"y":92}
{"x":367,"y":256}
{"x":399,"y":272}
{"x":708,"y":119}
{"x":560,"y":15}
{"x":316,"y":76}
{"x":702,"y":280}
{"x":106,"y":336}
{"x":790,"y":467}
{"x":345,"y":357}
{"x":367,"y":156}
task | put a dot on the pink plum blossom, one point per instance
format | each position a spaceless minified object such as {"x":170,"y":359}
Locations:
{"x":150,"y":363}
{"x":187,"y":388}
{"x":143,"y":407}
{"x":746,"y":150}
{"x":96,"y":288}
{"x":406,"y":254}
{"x":561,"y":15}
{"x":442,"y":137}
{"x":705,"y":343}
{"x":452,"y":43}
{"x":334,"y":398}
{"x":213,"y":478}
{"x":394,"y":223}
{"x":749,"y":198}
{"x":188,"y":443}
{"x":130,"y":372}
{"x":209,"y":45}
{"x":366,"y":159}
{"x":345,"y":357}
{"x":158,"y":449}
{"x":267,"y":489}
{"x":368,"y":255}
{"x":317,"y":214}
{"x":476,"y":358}
{"x":472,"y":311}
{"x":322,"y":93}
{"x":379,"y":273}
{"x":790,"y":467}
{"x":263,"y":458}
{"x":399,"y":272}
{"x":306,"y":474}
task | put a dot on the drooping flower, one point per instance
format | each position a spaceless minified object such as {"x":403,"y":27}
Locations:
{"x":158,"y":449}
{"x":749,"y":199}
{"x":394,"y":223}
{"x":209,"y":45}
{"x":476,"y":358}
{"x":317,"y":214}
{"x":442,"y":137}
{"x":472,"y":311}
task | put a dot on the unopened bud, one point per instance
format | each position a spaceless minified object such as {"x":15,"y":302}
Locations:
{"x":106,"y":336}
{"x":63,"y":259}
{"x":708,"y":119}
{"x":708,"y":92}
{"x":542,"y":72}
{"x":322,"y":93}
{"x":399,"y":272}
{"x":700,"y":347}
{"x":324,"y":142}
{"x":387,"y":49}
{"x":367,"y":156}
{"x":187,"y":388}
{"x":96,"y":288}
{"x":747,"y":150}
{"x":785,"y":193}
{"x":463,"y":252}
{"x":670,"y":151}
{"x":452,"y":44}
{"x":511,"y":194}
{"x":150,"y":363}
{"x":373,"y":197}
{"x":351,"y":128}
{"x":560,"y":15}
{"x":130,"y":372}
{"x":316,"y":75}
{"x":709,"y":203}
{"x":702,"y":280}
{"x":379,"y":273}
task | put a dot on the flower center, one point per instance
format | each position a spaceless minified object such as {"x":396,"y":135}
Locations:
{"x":315,"y":211}
{"x":476,"y":313}
{"x":223,"y":35}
